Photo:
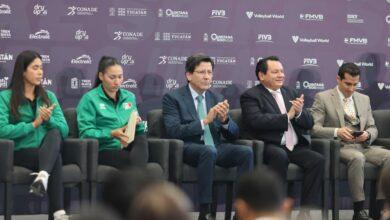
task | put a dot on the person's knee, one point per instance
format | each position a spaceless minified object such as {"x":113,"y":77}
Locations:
{"x":279,"y":155}
{"x":357,"y":160}
{"x":209,"y":153}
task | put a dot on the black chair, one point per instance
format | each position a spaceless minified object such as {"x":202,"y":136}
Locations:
{"x":295,"y":173}
{"x":157,"y":162}
{"x":74,"y":156}
{"x":184,"y":173}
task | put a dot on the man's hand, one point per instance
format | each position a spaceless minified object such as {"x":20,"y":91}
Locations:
{"x":291,"y":113}
{"x":210,"y":116}
{"x":363,"y":137}
{"x":297,"y":104}
{"x":345,"y":134}
{"x":222,"y":109}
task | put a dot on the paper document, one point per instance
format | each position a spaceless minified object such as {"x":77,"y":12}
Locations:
{"x":130,"y":130}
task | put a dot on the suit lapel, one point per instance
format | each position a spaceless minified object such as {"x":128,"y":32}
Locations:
{"x":286,"y":99}
{"x":209,"y":103}
{"x":268,"y":96}
{"x":339,"y":108}
{"x":359,"y":111}
{"x":187,"y":97}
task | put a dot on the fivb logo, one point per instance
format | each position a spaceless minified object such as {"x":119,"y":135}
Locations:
{"x":5,"y":57}
{"x":310,"y":62}
{"x":83,"y":59}
{"x":4,"y":82}
{"x":5,"y":34}
{"x":218,"y":38}
{"x":81,"y":35}
{"x":264,"y":38}
{"x":355,"y":41}
{"x":73,"y":10}
{"x":5,"y":9}
{"x":127,"y":59}
{"x":39,"y":10}
{"x":311,"y":17}
{"x":40,"y":35}
{"x":122,"y":35}
{"x":218,"y":14}
{"x":169,"y":13}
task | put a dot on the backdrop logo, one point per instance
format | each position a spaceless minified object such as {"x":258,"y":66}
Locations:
{"x":46,"y":82}
{"x":81,"y":35}
{"x":40,"y":35}
{"x":310,"y":62}
{"x":5,"y":9}
{"x":5,"y":34}
{"x":128,"y":12}
{"x":171,"y":84}
{"x":264,"y":38}
{"x":340,"y":62}
{"x":39,"y":10}
{"x":218,"y":14}
{"x":170,"y":13}
{"x":310,"y":85}
{"x":251,"y":14}
{"x":354,"y":19}
{"x":45,"y":58}
{"x":221,"y":38}
{"x":355,"y":41}
{"x":298,"y":39}
{"x":221,"y":83}
{"x":4,"y":82}
{"x":382,"y":85}
{"x":387,"y":64}
{"x":83,"y":59}
{"x":76,"y":83}
{"x":173,"y":60}
{"x":5,"y":57}
{"x":167,"y":36}
{"x":387,"y":19}
{"x":311,"y":17}
{"x":82,"y":11}
{"x":224,"y":60}
{"x":127,"y":59}
{"x":253,"y":61}
{"x":388,"y":41}
{"x":129,"y":84}
{"x":124,"y":35}
{"x":250,"y":83}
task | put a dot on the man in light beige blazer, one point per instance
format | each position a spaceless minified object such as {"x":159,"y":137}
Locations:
{"x":345,"y":114}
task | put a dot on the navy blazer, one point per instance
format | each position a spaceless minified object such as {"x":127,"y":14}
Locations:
{"x":263,"y":120}
{"x":181,"y":120}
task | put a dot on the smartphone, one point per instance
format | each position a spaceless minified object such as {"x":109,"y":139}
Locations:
{"x":357,"y":133}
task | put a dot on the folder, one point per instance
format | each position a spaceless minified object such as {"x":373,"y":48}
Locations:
{"x":130,"y":129}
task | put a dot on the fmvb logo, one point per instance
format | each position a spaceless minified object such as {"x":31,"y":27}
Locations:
{"x":355,"y":41}
{"x":81,"y":35}
{"x":40,"y":35}
{"x":251,"y":14}
{"x":354,"y":18}
{"x":172,"y":60}
{"x":5,"y":34}
{"x":4,"y":82}
{"x":83,"y":59}
{"x":310,"y":62}
{"x":39,"y":10}
{"x":5,"y":57}
{"x":74,"y":10}
{"x":171,"y":84}
{"x":129,"y":84}
{"x":311,"y":17}
{"x":218,"y":14}
{"x":264,"y":38}
{"x":5,"y":9}
{"x":218,"y":38}
{"x":170,"y":13}
{"x":123,"y":35}
{"x":127,"y":59}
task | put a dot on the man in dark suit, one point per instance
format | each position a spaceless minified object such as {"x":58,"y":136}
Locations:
{"x":274,"y":114}
{"x":198,"y":116}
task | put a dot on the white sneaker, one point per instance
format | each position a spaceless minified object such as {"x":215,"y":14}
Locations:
{"x":39,"y":186}
{"x":60,"y":215}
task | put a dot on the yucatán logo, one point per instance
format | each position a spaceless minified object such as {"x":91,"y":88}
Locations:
{"x":171,"y":84}
{"x":129,"y":84}
{"x":264,"y":38}
{"x":82,"y":11}
{"x":5,"y":57}
{"x":5,"y":9}
{"x":170,"y":13}
{"x":296,"y":39}
{"x":310,"y":62}
{"x":173,"y":60}
{"x":39,"y":10}
{"x":167,"y":36}
{"x":218,"y":14}
{"x":81,"y":35}
{"x":251,"y":14}
{"x":123,"y":12}
{"x":40,"y":35}
{"x":356,"y":40}
{"x":4,"y":82}
{"x":124,"y":35}
{"x":354,"y":19}
{"x":5,"y":34}
{"x":311,"y":17}
{"x":221,"y":38}
{"x":83,"y":59}
{"x":224,"y":60}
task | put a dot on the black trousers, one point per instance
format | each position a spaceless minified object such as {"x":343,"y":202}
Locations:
{"x":135,"y":154}
{"x":48,"y":158}
{"x":278,"y":157}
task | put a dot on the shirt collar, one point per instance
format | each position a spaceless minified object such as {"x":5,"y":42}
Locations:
{"x":342,"y":97}
{"x":194,"y":94}
{"x":273,"y":91}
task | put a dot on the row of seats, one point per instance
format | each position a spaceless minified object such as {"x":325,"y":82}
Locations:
{"x":81,"y":169}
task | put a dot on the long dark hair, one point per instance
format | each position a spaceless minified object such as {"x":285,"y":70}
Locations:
{"x":23,"y":60}
{"x":104,"y":63}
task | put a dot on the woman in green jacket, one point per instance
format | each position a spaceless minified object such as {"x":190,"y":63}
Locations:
{"x":32,"y":118}
{"x":103,"y":114}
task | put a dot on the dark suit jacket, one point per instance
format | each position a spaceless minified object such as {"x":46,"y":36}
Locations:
{"x":181,"y":119}
{"x":263,"y":120}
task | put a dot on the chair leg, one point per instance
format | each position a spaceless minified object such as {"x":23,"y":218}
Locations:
{"x":92,"y":192}
{"x":83,"y":194}
{"x":214,"y":203}
{"x":8,"y":200}
{"x":325,"y":199}
{"x":336,"y":201}
{"x":229,"y":201}
{"x":67,"y":197}
{"x":372,"y":208}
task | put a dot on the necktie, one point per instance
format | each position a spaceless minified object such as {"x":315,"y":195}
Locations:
{"x":207,"y":137}
{"x":289,"y":134}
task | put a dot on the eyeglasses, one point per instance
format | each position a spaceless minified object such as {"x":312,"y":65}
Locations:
{"x":204,"y":72}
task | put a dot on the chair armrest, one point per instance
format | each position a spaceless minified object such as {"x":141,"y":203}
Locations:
{"x":6,"y":160}
{"x":92,"y":158}
{"x":322,"y":146}
{"x":159,"y":153}
{"x":385,"y":142}
{"x":258,"y":149}
{"x":74,"y":151}
{"x":176,"y":147}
